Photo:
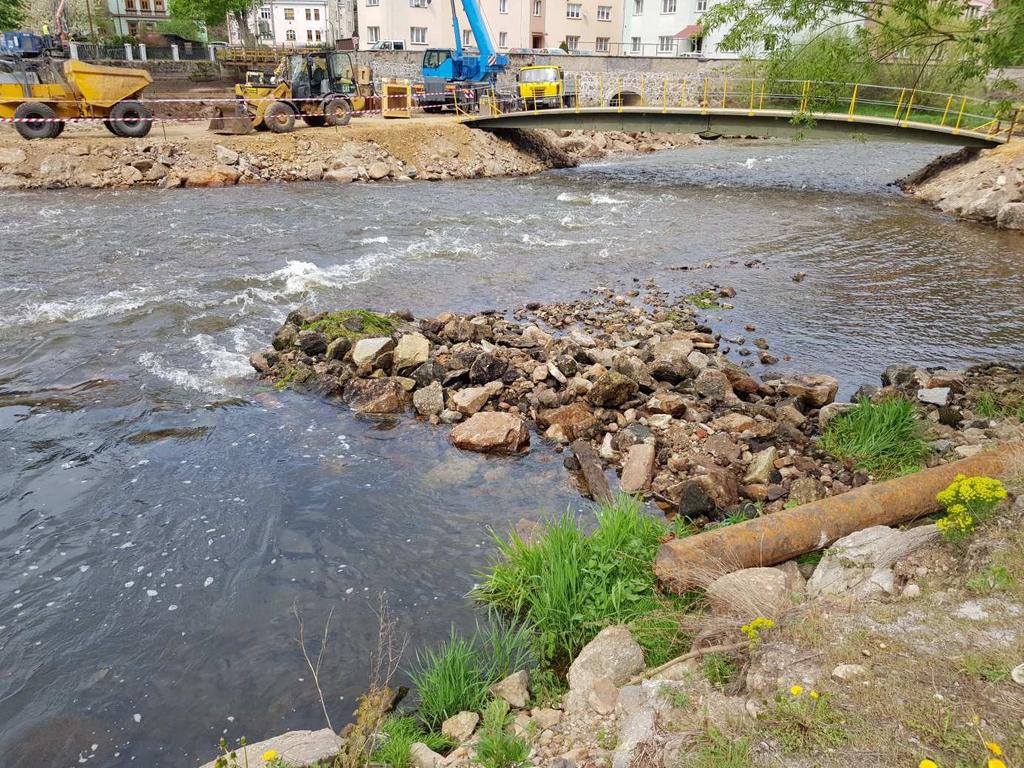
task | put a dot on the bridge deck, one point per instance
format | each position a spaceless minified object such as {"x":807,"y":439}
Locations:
{"x":733,"y":121}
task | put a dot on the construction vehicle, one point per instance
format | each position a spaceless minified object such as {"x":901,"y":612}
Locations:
{"x":41,"y":95}
{"x":453,"y":78}
{"x":322,"y":88}
{"x":543,"y":87}
{"x":25,"y":43}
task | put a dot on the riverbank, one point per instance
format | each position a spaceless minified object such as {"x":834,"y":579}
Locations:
{"x":430,"y":148}
{"x":987,"y":187}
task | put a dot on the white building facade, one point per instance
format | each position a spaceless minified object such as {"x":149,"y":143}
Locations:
{"x":297,"y":23}
{"x":420,"y":24}
{"x":670,"y":28}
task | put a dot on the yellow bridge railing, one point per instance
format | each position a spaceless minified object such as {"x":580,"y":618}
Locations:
{"x":903,"y":107}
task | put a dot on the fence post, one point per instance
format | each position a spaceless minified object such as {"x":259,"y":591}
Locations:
{"x":74,"y":49}
{"x":212,"y":52}
{"x":174,"y":53}
{"x":128,"y":52}
{"x":142,"y":52}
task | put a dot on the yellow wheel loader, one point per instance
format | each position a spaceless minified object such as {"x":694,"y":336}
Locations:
{"x":321,"y":88}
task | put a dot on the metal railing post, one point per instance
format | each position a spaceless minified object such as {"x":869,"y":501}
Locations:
{"x":945,"y":113}
{"x":750,"y":111}
{"x":910,"y":106}
{"x":960,"y":116}
{"x":899,"y":104}
{"x":643,"y":90}
{"x":853,"y":102}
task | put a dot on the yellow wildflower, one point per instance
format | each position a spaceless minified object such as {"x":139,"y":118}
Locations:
{"x":270,"y":754}
{"x":994,"y":748}
{"x":796,"y":690}
{"x":995,"y":762}
{"x":926,"y":763}
{"x":814,"y":694}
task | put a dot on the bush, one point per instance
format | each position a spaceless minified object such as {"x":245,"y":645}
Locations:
{"x":883,"y":439}
{"x":456,"y":676}
{"x":968,"y":501}
{"x":568,"y":586}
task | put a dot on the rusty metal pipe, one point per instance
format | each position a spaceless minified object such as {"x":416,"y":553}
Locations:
{"x":683,"y":564}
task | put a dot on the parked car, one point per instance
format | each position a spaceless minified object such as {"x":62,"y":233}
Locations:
{"x":388,"y":45}
{"x":550,"y":52}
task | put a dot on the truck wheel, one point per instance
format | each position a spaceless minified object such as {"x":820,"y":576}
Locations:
{"x":40,"y":121}
{"x":279,"y":117}
{"x":60,"y":128}
{"x":315,"y":121}
{"x":337,"y":112}
{"x":130,"y":119}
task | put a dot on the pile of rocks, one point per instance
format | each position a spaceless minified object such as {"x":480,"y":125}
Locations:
{"x":647,"y":390}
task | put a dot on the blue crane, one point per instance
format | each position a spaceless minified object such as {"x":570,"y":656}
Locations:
{"x":444,"y":68}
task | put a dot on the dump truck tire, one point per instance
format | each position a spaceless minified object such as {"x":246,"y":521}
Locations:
{"x":337,"y":112}
{"x":41,"y":121}
{"x":279,"y":117}
{"x":315,"y":121}
{"x":60,"y":128}
{"x":130,"y":119}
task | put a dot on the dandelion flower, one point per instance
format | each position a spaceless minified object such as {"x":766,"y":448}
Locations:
{"x":270,"y":754}
{"x":926,"y":763}
{"x":796,"y":690}
{"x":815,"y":695}
{"x":994,"y":748}
{"x":995,"y":762}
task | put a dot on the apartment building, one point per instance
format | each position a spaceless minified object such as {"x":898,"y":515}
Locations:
{"x":137,"y":17}
{"x":669,"y":28}
{"x":593,"y":26}
{"x":299,"y":23}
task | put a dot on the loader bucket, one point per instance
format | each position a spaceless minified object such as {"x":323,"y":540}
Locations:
{"x":231,"y":121}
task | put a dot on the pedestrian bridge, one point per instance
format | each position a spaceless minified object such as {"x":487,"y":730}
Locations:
{"x":752,"y":108}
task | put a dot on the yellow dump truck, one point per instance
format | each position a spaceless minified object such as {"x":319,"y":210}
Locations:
{"x":544,"y":87}
{"x":41,"y":94}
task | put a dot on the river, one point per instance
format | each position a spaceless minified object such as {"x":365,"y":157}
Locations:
{"x":161,"y":513}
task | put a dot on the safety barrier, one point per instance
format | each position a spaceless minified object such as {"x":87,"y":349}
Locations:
{"x":901,"y":106}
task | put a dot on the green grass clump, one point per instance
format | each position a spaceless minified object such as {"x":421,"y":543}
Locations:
{"x":883,"y":439}
{"x":993,"y":406}
{"x":568,"y":585}
{"x":716,"y":750}
{"x":497,"y":748}
{"x":456,"y":676}
{"x":704,"y":300}
{"x":332,"y":325}
{"x":400,"y":733}
{"x":719,"y":669}
{"x":802,"y":722}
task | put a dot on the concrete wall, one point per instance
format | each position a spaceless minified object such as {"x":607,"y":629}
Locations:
{"x":636,"y":73}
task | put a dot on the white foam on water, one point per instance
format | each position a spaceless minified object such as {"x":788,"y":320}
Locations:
{"x":298,"y":277}
{"x":82,"y":308}
{"x":369,"y":240}
{"x":591,"y":199}
{"x":157,"y":366}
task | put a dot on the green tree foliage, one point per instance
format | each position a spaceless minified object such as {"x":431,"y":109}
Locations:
{"x":928,"y":32}
{"x":213,"y":13}
{"x":12,"y":14}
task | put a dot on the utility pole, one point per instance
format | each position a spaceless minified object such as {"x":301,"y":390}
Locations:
{"x":92,"y":29}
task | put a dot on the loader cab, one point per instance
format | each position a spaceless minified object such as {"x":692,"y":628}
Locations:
{"x":440,"y":62}
{"x":321,"y":74}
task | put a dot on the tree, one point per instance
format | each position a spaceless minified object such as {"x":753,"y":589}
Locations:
{"x":926,"y":31}
{"x":12,"y":14}
{"x":213,"y":13}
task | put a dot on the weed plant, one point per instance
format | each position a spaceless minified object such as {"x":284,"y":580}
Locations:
{"x":883,"y":439}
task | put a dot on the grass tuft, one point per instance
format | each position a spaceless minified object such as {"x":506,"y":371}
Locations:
{"x":716,"y":750}
{"x":400,"y":733}
{"x":457,"y":675}
{"x":568,"y":585}
{"x":800,"y":723}
{"x":333,"y":324}
{"x":883,"y":439}
{"x":496,"y":747}
{"x":719,"y":669}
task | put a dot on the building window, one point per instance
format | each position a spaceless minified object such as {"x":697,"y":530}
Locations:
{"x":417,"y":3}
{"x":373,"y":34}
{"x":702,"y":5}
{"x":574,"y":11}
{"x":638,"y":7}
{"x":604,"y":13}
{"x":371,"y":3}
{"x":129,"y":6}
{"x":417,"y":35}
{"x":290,"y":35}
{"x":537,"y":7}
{"x":158,"y":6}
{"x":502,"y":6}
{"x":601,"y":44}
{"x":319,"y":34}
{"x":316,"y":14}
{"x":309,"y":14}
{"x":133,"y":28}
{"x":666,"y":44}
{"x":265,"y":13}
{"x":668,"y":6}
{"x":289,"y":14}
{"x":309,"y":35}
{"x":144,"y":6}
{"x":572,"y":42}
{"x":637,"y":45}
{"x":467,"y":37}
{"x":503,"y":39}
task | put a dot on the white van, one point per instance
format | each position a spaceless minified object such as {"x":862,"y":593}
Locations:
{"x":388,"y":45}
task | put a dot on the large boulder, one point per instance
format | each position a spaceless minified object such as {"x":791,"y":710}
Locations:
{"x":514,"y":689}
{"x":215,"y":176}
{"x":293,"y":747}
{"x":750,"y":593}
{"x":671,"y":361}
{"x":377,"y":396}
{"x":613,"y":655}
{"x":460,"y":727}
{"x":486,"y":367}
{"x":863,"y":561}
{"x":1011,"y":216}
{"x":612,"y":389}
{"x":814,"y":389}
{"x":366,"y":351}
{"x":469,"y":401}
{"x":491,"y":432}
{"x":711,"y":384}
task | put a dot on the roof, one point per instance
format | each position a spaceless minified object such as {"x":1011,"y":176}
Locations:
{"x":691,"y":30}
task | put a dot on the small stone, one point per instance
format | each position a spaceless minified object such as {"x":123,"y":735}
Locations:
{"x":469,"y":401}
{"x":814,"y":389}
{"x":934,"y":396}
{"x":367,"y":350}
{"x":911,"y":591}
{"x":422,"y":756}
{"x":733,"y":423}
{"x":844,"y":673}
{"x":761,"y":465}
{"x":491,"y":432}
{"x":378,"y":170}
{"x":412,"y":350}
{"x":712,"y":384}
{"x":460,"y":727}
{"x":546,"y":718}
{"x":638,"y":468}
{"x":612,"y":389}
{"x":429,"y":400}
{"x":225,"y":156}
{"x":750,"y":592}
{"x":514,"y":689}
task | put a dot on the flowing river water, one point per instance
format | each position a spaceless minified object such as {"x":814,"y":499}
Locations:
{"x":161,"y":513}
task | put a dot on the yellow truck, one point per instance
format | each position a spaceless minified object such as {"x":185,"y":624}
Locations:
{"x":544,"y":87}
{"x":41,"y":95}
